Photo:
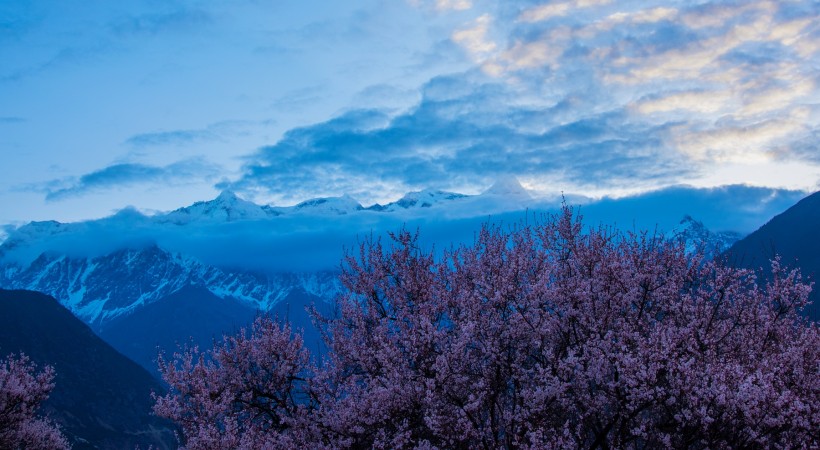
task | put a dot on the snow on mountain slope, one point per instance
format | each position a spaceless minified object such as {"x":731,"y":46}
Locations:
{"x":419,"y":199}
{"x":697,"y":237}
{"x":505,"y":195}
{"x":226,"y":207}
{"x":101,"y":288}
{"x":508,"y":188}
{"x":108,"y":268}
{"x":35,"y":231}
{"x":324,"y":206}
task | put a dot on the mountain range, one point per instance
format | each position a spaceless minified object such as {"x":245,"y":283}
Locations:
{"x":149,"y":283}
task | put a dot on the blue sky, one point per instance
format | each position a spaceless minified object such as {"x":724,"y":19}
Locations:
{"x":160,"y":103}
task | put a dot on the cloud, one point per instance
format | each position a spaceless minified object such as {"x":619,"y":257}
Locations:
{"x":593,"y":97}
{"x":738,"y":208}
{"x":686,"y":102}
{"x":299,"y":242}
{"x":557,"y":9}
{"x":299,"y":99}
{"x":9,"y":120}
{"x":175,"y":137}
{"x":461,"y":136}
{"x":154,"y":23}
{"x":474,"y":38}
{"x":443,"y":5}
{"x":214,"y":132}
{"x":715,"y":84}
{"x":739,"y":143}
{"x":127,"y":174}
{"x":65,"y":56}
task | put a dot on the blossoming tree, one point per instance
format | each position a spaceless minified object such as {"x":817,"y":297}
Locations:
{"x":22,"y":389}
{"x":545,"y":335}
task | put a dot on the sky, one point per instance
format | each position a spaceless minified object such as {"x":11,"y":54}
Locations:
{"x":156,"y":104}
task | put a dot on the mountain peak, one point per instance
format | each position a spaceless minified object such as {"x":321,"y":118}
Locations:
{"x":227,"y":197}
{"x":227,"y":206}
{"x":333,"y":205}
{"x":508,"y":186}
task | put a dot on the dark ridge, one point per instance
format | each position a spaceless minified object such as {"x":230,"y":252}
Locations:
{"x":295,"y":309}
{"x":101,"y":398}
{"x":795,"y":236}
{"x":192,"y":315}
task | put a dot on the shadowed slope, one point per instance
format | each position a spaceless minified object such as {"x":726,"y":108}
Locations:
{"x":795,"y":236}
{"x":101,"y":398}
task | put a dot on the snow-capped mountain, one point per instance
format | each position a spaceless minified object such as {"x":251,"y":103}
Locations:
{"x":697,"y":237}
{"x":108,"y":271}
{"x":226,"y":207}
{"x":32,"y":231}
{"x":505,"y":195}
{"x":324,"y":206}
{"x":99,"y":289}
{"x":508,"y":188}
{"x":144,"y":282}
{"x":419,"y":199}
{"x":238,"y":250}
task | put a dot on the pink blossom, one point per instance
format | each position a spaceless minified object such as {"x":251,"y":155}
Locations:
{"x":22,"y":389}
{"x":544,"y":335}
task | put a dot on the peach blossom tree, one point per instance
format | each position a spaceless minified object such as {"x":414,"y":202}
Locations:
{"x":22,"y":389}
{"x":543,"y":335}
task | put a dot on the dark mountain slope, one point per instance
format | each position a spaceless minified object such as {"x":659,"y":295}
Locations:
{"x":295,"y":310}
{"x":101,"y":398}
{"x":191,"y":315}
{"x":795,"y":236}
{"x":195,"y":315}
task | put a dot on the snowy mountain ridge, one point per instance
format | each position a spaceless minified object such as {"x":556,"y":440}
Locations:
{"x":102,"y":288}
{"x":226,"y":207}
{"x":697,"y":238}
{"x":507,"y":195}
{"x":106,"y":268}
{"x":235,"y":249}
{"x":418,"y":199}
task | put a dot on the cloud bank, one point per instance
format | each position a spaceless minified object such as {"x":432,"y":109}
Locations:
{"x":310,"y":242}
{"x":587,"y":96}
{"x":125,"y":174}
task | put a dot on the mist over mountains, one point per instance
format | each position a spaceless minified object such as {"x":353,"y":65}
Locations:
{"x":233,"y":257}
{"x":235,"y":233}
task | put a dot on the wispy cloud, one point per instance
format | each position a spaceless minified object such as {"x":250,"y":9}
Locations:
{"x":83,"y":38}
{"x":11,"y":120}
{"x":726,"y":70}
{"x":474,"y":38}
{"x":173,"y":137}
{"x":557,"y":9}
{"x":443,"y":5}
{"x":218,"y":131}
{"x":128,"y":174}
{"x":153,"y":23}
{"x":62,"y":57}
